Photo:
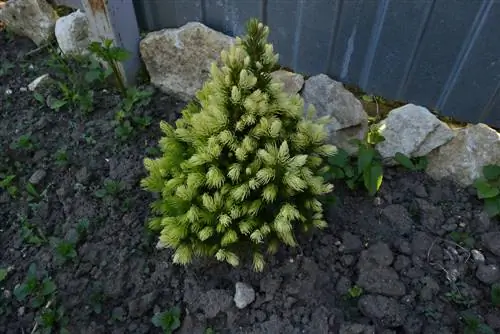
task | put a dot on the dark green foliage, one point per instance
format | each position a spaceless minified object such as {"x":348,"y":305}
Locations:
{"x":474,"y":325}
{"x":35,"y":289}
{"x":242,"y":169}
{"x":488,"y":189}
{"x":64,"y":249}
{"x":495,"y":294}
{"x":415,"y":164}
{"x":365,"y":168}
{"x":169,"y":320}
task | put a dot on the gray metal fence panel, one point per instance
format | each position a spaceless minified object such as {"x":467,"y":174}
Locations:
{"x":444,"y":54}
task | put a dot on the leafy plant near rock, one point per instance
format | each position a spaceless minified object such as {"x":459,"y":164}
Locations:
{"x":242,"y":169}
{"x":488,"y":189}
{"x":364,"y":168}
{"x":413,"y":164}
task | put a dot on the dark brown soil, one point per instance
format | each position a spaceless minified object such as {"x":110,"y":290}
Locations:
{"x":415,"y":277}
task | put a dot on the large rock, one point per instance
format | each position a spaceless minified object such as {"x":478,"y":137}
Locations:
{"x":34,"y":19}
{"x":462,"y":159}
{"x":413,"y":131}
{"x":73,"y":33}
{"x":179,"y":60}
{"x":330,"y":98}
{"x":292,"y":82}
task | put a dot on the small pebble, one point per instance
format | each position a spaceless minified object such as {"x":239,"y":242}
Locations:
{"x":8,"y":91}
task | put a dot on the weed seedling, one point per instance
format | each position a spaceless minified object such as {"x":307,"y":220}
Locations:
{"x":474,"y":325}
{"x":169,"y":320}
{"x":61,"y":158}
{"x":3,"y":274}
{"x":355,"y":291}
{"x":52,"y":320}
{"x":31,"y":234}
{"x":365,"y":168}
{"x":111,"y":188}
{"x":82,"y":228}
{"x":495,"y":294}
{"x":112,"y":55}
{"x":413,"y":164}
{"x":64,"y":250}
{"x":37,"y":290}
{"x":24,"y":142}
{"x":7,"y":184}
{"x":488,"y":189}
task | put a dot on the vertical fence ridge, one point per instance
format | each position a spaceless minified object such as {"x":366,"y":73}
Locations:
{"x":465,"y":51}
{"x":416,"y":50}
{"x":332,"y":46}
{"x":298,"y":29}
{"x":374,"y":42}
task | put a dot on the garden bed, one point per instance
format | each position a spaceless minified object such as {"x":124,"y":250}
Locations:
{"x":400,"y":262}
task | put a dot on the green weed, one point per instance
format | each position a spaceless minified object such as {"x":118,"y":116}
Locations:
{"x":169,"y":320}
{"x":488,"y":189}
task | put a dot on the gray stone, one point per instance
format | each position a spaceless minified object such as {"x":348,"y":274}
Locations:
{"x":82,"y":175}
{"x":462,"y":159}
{"x":179,"y":60}
{"x":244,"y":295}
{"x":477,"y":256}
{"x":430,"y":216}
{"x":292,"y":82}
{"x":331,"y":99}
{"x":343,"y":285}
{"x":381,"y":280}
{"x":343,"y":138}
{"x":382,"y":310}
{"x":491,"y":242}
{"x":413,"y":131}
{"x":139,"y":306}
{"x":401,"y":262}
{"x":399,"y":218}
{"x":488,"y":274}
{"x":349,"y":328}
{"x":351,"y":243}
{"x":37,"y":176}
{"x":378,"y":254}
{"x":429,"y":289}
{"x":73,"y":33}
{"x":34,"y":19}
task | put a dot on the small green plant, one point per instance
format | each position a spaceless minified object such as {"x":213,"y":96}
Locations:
{"x":3,"y":274}
{"x":65,"y":250}
{"x":6,"y":67}
{"x":7,"y":184}
{"x":112,"y":55}
{"x":31,"y":234}
{"x":61,"y":157}
{"x":38,"y":290}
{"x":495,"y":294}
{"x":209,"y":330}
{"x":169,"y":320}
{"x":111,"y":188}
{"x":33,"y":194}
{"x":24,"y":142}
{"x":413,"y":164}
{"x":459,"y":297}
{"x":52,"y":319}
{"x":126,"y":118}
{"x":463,"y":239}
{"x":488,"y":189}
{"x":365,"y":168}
{"x":474,"y":325}
{"x":82,"y":228}
{"x":355,"y":291}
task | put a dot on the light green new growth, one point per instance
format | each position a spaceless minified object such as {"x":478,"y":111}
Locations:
{"x":241,"y":170}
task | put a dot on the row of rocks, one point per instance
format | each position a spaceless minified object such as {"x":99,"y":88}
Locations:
{"x":413,"y":130}
{"x":37,"y":20}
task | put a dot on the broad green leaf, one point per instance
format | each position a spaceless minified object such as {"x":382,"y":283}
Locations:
{"x":3,"y":274}
{"x":373,"y":179}
{"x":492,"y":206}
{"x":48,"y":287}
{"x":21,"y":292}
{"x":491,"y":172}
{"x":39,"y":97}
{"x":404,"y":161}
{"x":495,"y":294}
{"x":367,"y":98}
{"x":340,"y":159}
{"x":365,"y":158}
{"x":56,"y":104}
{"x":485,"y":190}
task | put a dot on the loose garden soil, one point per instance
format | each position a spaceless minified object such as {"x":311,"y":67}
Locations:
{"x":416,"y":273}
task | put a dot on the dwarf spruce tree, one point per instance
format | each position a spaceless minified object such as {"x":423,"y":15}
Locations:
{"x":241,"y":170}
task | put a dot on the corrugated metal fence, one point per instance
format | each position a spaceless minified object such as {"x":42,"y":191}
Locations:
{"x":444,"y":54}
